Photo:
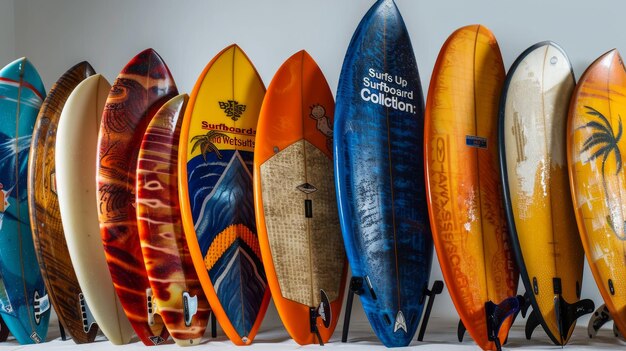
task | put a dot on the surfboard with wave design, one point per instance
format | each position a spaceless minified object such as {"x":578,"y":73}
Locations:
{"x":24,"y":303}
{"x":217,"y":205}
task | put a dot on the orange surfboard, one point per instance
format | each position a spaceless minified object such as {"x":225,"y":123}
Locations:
{"x":295,"y":202}
{"x":464,"y":187}
{"x":595,"y":145}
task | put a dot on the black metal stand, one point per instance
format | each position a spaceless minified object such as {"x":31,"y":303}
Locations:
{"x":62,"y":330}
{"x":213,"y":326}
{"x":460,"y":331}
{"x":356,"y":287}
{"x":434,"y":291}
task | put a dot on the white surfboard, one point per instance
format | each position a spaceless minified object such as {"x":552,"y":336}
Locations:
{"x":76,"y":151}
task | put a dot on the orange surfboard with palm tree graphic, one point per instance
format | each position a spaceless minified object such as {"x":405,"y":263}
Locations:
{"x":595,"y":146}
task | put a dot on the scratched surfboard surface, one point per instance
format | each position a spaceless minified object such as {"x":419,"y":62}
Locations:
{"x":595,"y":146}
{"x":175,"y":285}
{"x":24,"y":304}
{"x":379,"y":173}
{"x":141,"y":88}
{"x":215,"y":176}
{"x":463,"y":181}
{"x":48,"y":236}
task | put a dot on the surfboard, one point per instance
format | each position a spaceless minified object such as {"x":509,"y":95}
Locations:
{"x":594,"y":152}
{"x":176,"y":292}
{"x":533,"y":118}
{"x":379,"y":174}
{"x":140,"y":89}
{"x":24,"y":303}
{"x":295,"y":202}
{"x":75,"y":159}
{"x":45,"y":219}
{"x":215,"y":159}
{"x":464,"y":185}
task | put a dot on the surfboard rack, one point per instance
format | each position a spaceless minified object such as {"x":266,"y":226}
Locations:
{"x":497,"y":314}
{"x":434,"y":291}
{"x":4,"y":330}
{"x":460,"y":331}
{"x":355,"y":288}
{"x":313,"y":323}
{"x":213,"y":326}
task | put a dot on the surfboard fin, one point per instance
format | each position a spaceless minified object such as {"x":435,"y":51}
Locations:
{"x":460,"y":330}
{"x":41,"y":304}
{"x":152,"y":306}
{"x":85,"y":312}
{"x":567,"y":314}
{"x":531,"y":324}
{"x":190,"y":307}
{"x":322,"y":311}
{"x":524,"y":308}
{"x":497,"y":314}
{"x":434,"y":291}
{"x":599,"y":318}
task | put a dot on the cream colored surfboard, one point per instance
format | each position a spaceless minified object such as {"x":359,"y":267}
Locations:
{"x":77,"y":138}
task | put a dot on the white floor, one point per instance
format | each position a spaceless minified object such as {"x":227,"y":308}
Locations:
{"x":441,"y":335}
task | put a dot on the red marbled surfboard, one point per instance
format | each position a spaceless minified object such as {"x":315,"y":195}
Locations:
{"x":176,"y":289}
{"x":140,"y":89}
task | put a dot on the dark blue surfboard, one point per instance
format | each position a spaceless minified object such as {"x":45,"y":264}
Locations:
{"x":379,"y":173}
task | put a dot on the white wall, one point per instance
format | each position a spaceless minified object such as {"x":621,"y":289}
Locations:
{"x":57,"y":34}
{"x":7,"y":31}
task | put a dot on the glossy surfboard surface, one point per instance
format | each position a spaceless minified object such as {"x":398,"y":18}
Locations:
{"x":296,"y":206}
{"x":176,"y":290}
{"x":533,"y":118}
{"x":50,"y":245}
{"x":216,"y":195}
{"x":379,"y":173}
{"x":24,"y":303}
{"x":595,"y":146}
{"x":140,"y":89}
{"x":75,"y":159}
{"x":463,"y":179}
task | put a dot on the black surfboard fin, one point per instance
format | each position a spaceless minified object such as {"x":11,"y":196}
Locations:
{"x":567,"y":314}
{"x":599,"y":318}
{"x":527,"y":304}
{"x":497,"y":314}
{"x":531,"y":324}
{"x":460,"y":331}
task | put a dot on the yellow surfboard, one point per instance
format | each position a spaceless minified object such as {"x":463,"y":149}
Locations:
{"x":533,"y":117}
{"x":216,"y":196}
{"x":595,"y":146}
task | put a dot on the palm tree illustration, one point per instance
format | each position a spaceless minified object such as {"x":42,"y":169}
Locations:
{"x":206,"y":143}
{"x":602,"y":142}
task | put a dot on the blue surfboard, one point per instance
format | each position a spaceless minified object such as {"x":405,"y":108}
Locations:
{"x":379,"y":173}
{"x":24,"y":304}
